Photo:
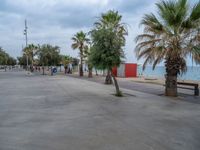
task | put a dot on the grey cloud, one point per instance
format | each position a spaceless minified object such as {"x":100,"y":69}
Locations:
{"x":55,"y":23}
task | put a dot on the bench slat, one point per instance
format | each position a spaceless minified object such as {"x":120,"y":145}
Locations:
{"x":188,"y":84}
{"x":185,"y":88}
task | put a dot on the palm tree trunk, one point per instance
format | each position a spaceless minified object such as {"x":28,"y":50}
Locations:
{"x":42,"y":69}
{"x":172,"y":70}
{"x":32,"y":65}
{"x":118,"y":92}
{"x":108,"y":79}
{"x":81,"y":65}
{"x":65,"y":70}
{"x":96,"y":72}
{"x":89,"y":71}
{"x":81,"y":70}
{"x":171,"y":86}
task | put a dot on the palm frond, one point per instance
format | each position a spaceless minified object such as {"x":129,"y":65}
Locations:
{"x":148,"y":43}
{"x":195,"y":14}
{"x":147,"y":60}
{"x":174,"y":33}
{"x":142,"y":37}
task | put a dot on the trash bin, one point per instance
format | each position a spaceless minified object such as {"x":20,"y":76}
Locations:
{"x":54,"y":70}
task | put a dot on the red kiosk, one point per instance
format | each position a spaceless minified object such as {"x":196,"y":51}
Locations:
{"x":125,"y":70}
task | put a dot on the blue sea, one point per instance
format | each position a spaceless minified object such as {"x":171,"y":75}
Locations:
{"x":193,"y":72}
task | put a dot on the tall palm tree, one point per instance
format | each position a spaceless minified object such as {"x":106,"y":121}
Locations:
{"x":80,"y":41}
{"x":112,"y":20}
{"x":87,"y":53}
{"x":30,"y":51}
{"x":172,"y":35}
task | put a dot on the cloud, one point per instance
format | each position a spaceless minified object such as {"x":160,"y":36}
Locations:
{"x":56,"y":21}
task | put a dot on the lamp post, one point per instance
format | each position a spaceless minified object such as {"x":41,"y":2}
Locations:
{"x":25,"y":33}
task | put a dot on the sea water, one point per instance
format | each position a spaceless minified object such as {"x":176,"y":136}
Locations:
{"x":193,"y":72}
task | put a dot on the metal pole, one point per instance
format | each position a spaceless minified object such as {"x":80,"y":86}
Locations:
{"x":25,"y":33}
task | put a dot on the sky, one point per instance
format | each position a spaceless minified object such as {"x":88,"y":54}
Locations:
{"x":56,"y":21}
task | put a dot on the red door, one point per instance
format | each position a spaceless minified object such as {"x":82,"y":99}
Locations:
{"x":131,"y":70}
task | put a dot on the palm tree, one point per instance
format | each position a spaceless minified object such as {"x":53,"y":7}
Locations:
{"x":6,"y":59}
{"x":30,"y":52}
{"x":80,"y":41}
{"x":87,"y":53}
{"x":3,"y":58}
{"x":112,"y":20}
{"x":108,"y":40}
{"x":172,"y":36}
{"x":49,"y":56}
{"x":65,"y":60}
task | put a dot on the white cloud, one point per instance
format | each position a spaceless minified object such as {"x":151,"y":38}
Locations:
{"x":56,"y":21}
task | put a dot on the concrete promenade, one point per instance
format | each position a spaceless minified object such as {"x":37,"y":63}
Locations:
{"x":64,"y":113}
{"x":145,"y":87}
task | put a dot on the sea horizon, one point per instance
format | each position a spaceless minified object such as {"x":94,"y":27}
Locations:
{"x":192,"y":73}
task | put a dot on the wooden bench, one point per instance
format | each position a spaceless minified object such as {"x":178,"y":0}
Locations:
{"x":186,"y":86}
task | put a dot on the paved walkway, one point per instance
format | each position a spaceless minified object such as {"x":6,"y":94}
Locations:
{"x":150,"y":88}
{"x":63,"y":113}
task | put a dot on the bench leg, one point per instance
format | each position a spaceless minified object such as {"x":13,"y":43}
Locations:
{"x":196,"y":91}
